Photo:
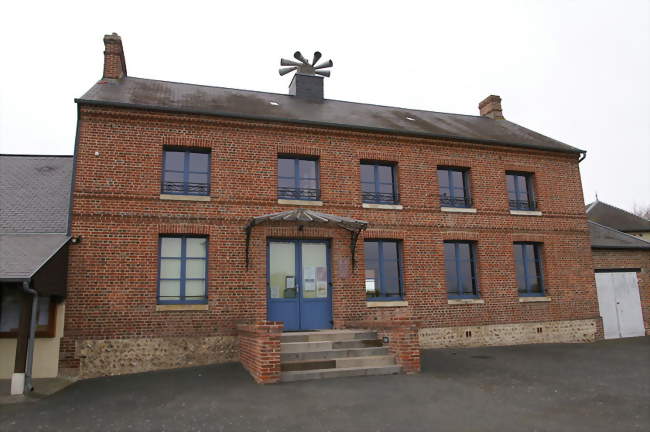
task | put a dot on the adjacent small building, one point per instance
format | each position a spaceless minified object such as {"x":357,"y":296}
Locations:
{"x":622,"y":266}
{"x":34,"y":238}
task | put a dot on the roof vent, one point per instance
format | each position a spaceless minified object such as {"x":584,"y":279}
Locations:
{"x":307,"y":83}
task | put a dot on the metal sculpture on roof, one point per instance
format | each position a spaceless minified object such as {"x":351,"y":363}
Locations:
{"x":303,"y":66}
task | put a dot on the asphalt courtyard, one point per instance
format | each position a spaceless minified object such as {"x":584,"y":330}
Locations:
{"x":603,"y":386}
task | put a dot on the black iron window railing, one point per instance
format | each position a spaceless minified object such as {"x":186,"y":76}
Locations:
{"x":522,"y":204}
{"x":380,"y":198}
{"x":460,"y":202}
{"x":298,"y":193}
{"x":185,"y":188}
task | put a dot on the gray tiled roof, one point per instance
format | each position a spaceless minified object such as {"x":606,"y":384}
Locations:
{"x":608,"y":215}
{"x":190,"y":98}
{"x":24,"y":254}
{"x":34,"y":193}
{"x":603,"y":237}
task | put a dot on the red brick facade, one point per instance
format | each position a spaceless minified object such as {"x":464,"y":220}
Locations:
{"x":629,"y":259}
{"x":119,"y":213}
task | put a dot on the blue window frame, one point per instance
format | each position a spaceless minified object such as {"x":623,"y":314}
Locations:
{"x":186,"y":172}
{"x":182,"y":269}
{"x":528,"y":267}
{"x":460,"y":266}
{"x":520,"y":191}
{"x":298,"y":178}
{"x":454,"y":187}
{"x":383,"y":269}
{"x":378,"y":183}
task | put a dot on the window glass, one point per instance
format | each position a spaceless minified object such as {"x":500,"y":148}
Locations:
{"x":176,"y":177}
{"x":196,"y":247}
{"x":443,"y":179}
{"x":390,"y":283}
{"x":183,"y":269}
{"x":382,"y":262}
{"x":170,"y":268}
{"x":170,"y":290}
{"x":368,"y":173}
{"x":286,"y":167}
{"x":10,"y":309}
{"x":195,"y":269}
{"x":519,"y":268}
{"x":43,"y":317}
{"x":170,"y":246}
{"x":308,"y":184}
{"x":199,"y":162}
{"x":528,"y":268}
{"x":195,"y":289}
{"x":385,"y":174}
{"x":460,"y":265}
{"x":175,"y":161}
{"x":201,"y":179}
{"x":307,"y":169}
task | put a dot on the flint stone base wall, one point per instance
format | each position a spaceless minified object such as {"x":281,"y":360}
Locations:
{"x":123,"y":356}
{"x":510,"y":334}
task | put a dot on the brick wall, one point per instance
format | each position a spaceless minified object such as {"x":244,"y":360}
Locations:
{"x":640,"y":259}
{"x":259,"y":350}
{"x":118,"y":212}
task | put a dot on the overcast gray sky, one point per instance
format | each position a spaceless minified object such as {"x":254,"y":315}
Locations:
{"x":577,"y":71}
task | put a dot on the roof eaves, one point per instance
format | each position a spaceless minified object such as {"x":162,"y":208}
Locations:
{"x":571,"y":150}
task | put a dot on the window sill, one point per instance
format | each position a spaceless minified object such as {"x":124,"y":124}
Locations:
{"x":383,"y":206}
{"x":181,"y":307}
{"x":525,"y":212}
{"x":397,"y":303}
{"x":464,"y":301}
{"x":458,"y":209}
{"x":534,"y":299}
{"x":300,"y":202}
{"x":172,"y":197}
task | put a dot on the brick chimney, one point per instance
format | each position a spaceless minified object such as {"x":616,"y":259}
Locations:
{"x":491,"y":107}
{"x":114,"y":63}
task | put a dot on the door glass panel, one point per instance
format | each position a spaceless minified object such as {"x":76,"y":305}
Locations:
{"x":282,"y":270}
{"x":314,"y":270}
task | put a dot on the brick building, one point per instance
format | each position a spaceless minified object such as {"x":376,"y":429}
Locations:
{"x":201,"y":208}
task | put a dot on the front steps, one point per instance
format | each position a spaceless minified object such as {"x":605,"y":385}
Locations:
{"x":334,"y":353}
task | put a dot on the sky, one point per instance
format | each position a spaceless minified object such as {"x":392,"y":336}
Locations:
{"x":577,"y":71}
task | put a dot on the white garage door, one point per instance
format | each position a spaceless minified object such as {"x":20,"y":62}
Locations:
{"x":620,"y":304}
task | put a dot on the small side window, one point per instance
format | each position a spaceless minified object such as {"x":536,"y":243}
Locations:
{"x":454,"y":187}
{"x":520,"y":191}
{"x":186,"y":172}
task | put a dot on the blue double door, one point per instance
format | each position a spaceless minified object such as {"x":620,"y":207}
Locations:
{"x":298,"y":284}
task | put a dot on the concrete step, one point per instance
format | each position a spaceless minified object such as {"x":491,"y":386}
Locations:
{"x":295,"y":347}
{"x":304,"y":375}
{"x":328,"y":335}
{"x":334,"y":354}
{"x":345,"y":363}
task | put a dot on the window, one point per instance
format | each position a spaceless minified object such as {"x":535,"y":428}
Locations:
{"x":460,"y":265}
{"x":186,"y":172}
{"x":528,"y":266}
{"x":298,"y":178}
{"x":378,"y":183}
{"x":183,"y":262}
{"x":520,"y":191}
{"x":454,"y":187}
{"x":10,"y":305}
{"x":383,"y":269}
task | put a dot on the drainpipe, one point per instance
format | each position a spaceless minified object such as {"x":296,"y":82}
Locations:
{"x":32,"y":335}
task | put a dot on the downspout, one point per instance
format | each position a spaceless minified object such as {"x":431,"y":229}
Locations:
{"x":32,"y":335}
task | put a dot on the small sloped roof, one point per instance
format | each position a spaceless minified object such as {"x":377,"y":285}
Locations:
{"x":310,"y":216}
{"x":614,"y":217}
{"x":199,"y":99}
{"x":24,"y":254}
{"x":34,"y":193}
{"x":603,"y":237}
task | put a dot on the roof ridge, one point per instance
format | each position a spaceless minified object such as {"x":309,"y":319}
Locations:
{"x":333,"y":100}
